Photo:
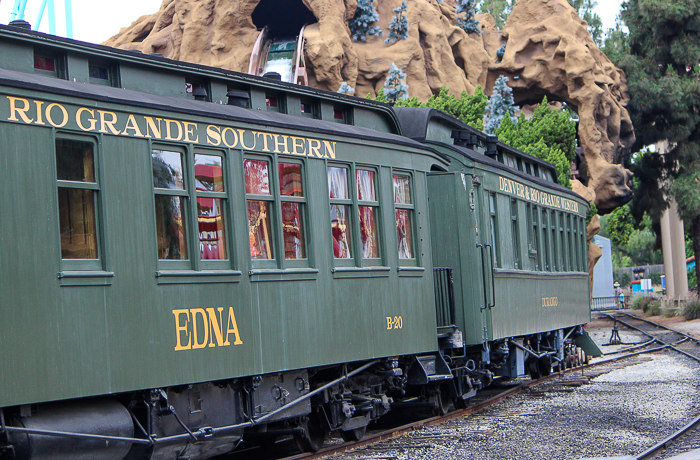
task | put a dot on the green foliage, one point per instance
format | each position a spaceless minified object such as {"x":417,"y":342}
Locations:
{"x":595,"y":24}
{"x":591,"y":212}
{"x":620,"y":226}
{"x":499,"y":9}
{"x":691,"y":309}
{"x":636,"y":302}
{"x":660,"y":58}
{"x":549,"y":134}
{"x":655,"y":278}
{"x":633,"y":243}
{"x":653,"y":307}
{"x":616,"y":45}
{"x":692,"y":277}
{"x":467,"y":108}
{"x":467,"y":22}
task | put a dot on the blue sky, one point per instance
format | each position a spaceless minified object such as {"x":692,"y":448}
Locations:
{"x":97,"y":20}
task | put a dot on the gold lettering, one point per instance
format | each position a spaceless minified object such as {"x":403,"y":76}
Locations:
{"x":241,"y":132}
{"x":131,"y":124}
{"x":235,"y":137}
{"x":22,"y":112}
{"x":151,"y":127}
{"x":168,"y":132}
{"x":39,"y":120}
{"x":213,"y":135}
{"x":179,"y":329}
{"x":195,"y":343}
{"x":64,"y":113}
{"x":388,"y":322}
{"x":265,"y":136}
{"x":232,"y":328}
{"x":217,"y":327}
{"x":189,"y":131}
{"x":314,"y":148}
{"x":278,"y":143}
{"x":105,"y":123}
{"x":330,"y":149}
{"x":92,"y":120}
{"x":296,"y":146}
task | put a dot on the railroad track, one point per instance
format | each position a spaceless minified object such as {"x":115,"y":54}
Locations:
{"x":658,"y":334}
{"x":659,"y":338}
{"x":376,"y":437}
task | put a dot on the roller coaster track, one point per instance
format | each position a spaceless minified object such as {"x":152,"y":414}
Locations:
{"x":281,"y":55}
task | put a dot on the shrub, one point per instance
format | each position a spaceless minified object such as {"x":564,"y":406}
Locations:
{"x":691,"y":309}
{"x":636,"y":302}
{"x":653,"y":307}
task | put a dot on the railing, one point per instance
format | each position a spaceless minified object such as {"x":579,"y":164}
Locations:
{"x":609,"y":303}
{"x":444,"y":297}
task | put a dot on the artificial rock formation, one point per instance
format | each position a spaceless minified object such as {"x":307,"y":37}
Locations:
{"x":549,"y":52}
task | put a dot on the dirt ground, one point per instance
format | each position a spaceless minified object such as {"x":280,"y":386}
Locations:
{"x":678,"y":323}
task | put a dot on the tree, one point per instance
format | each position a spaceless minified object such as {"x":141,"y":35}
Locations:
{"x":346,"y":89}
{"x":499,"y":9}
{"x":595,"y":24}
{"x":394,"y":87}
{"x":398,"y":27}
{"x":549,"y":134}
{"x":499,"y":105}
{"x":633,"y":243}
{"x":467,"y":23}
{"x":361,"y":24}
{"x":663,"y":79}
{"x":467,"y":108}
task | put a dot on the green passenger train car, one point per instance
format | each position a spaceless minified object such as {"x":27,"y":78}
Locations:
{"x":194,"y":259}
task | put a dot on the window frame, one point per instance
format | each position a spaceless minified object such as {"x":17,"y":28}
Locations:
{"x":273,"y":205}
{"x":100,"y":263}
{"x":303,"y":201}
{"x":546,"y":241}
{"x":59,"y":60}
{"x":350,"y":202}
{"x":376,"y":205}
{"x":493,"y":225}
{"x":515,"y":230}
{"x":411,"y":208}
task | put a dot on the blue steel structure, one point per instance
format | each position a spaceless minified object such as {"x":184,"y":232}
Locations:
{"x":20,"y":6}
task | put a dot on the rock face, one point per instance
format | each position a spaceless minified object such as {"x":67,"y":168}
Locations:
{"x":548,"y":52}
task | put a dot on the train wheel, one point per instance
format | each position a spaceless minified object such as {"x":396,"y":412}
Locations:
{"x":313,"y":437}
{"x":534,"y":370}
{"x":545,"y":367}
{"x":442,"y":401}
{"x":354,"y":435}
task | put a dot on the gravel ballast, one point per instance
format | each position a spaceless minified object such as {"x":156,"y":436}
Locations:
{"x":621,"y":412}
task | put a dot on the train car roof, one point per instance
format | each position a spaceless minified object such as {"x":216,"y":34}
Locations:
{"x":132,"y":98}
{"x":157,"y":61}
{"x":415,"y":121}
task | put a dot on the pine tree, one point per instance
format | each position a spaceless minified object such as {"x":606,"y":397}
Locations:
{"x":395,"y":88}
{"x":499,"y":9}
{"x":398,"y":27}
{"x":346,"y":89}
{"x":663,"y":78}
{"x":500,"y":52}
{"x":467,"y":23}
{"x":361,"y":24}
{"x":500,"y":105}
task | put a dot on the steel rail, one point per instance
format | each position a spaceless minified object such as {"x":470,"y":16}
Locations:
{"x":653,"y":451}
{"x":688,"y":337}
{"x":669,"y":345}
{"x":405,"y":429}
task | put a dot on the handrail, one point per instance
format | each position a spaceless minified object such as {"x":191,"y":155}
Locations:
{"x":493,"y":282}
{"x":483,"y":277}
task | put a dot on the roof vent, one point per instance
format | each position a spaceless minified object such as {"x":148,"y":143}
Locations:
{"x":200,"y":94}
{"x":273,"y":76}
{"x":238,"y":98}
{"x":20,"y":24}
{"x":491,"y":145}
{"x":464,"y":138}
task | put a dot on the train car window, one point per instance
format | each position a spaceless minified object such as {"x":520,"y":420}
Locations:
{"x":584,"y":245}
{"x":49,"y":64}
{"x":515,"y":228}
{"x":494,"y":227}
{"x":571,"y":263}
{"x":309,"y":108}
{"x":259,"y":202}
{"x":545,"y":241}
{"x":274,"y":102}
{"x":293,"y":210}
{"x":339,"y":195}
{"x":531,"y":252}
{"x":77,"y":199}
{"x":562,"y":241}
{"x":368,"y":210}
{"x":553,"y":228}
{"x":101,"y":73}
{"x":211,"y":198}
{"x":403,"y":203}
{"x":342,"y":115}
{"x":170,"y":204}
{"x":575,"y":242}
{"x":535,"y":237}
